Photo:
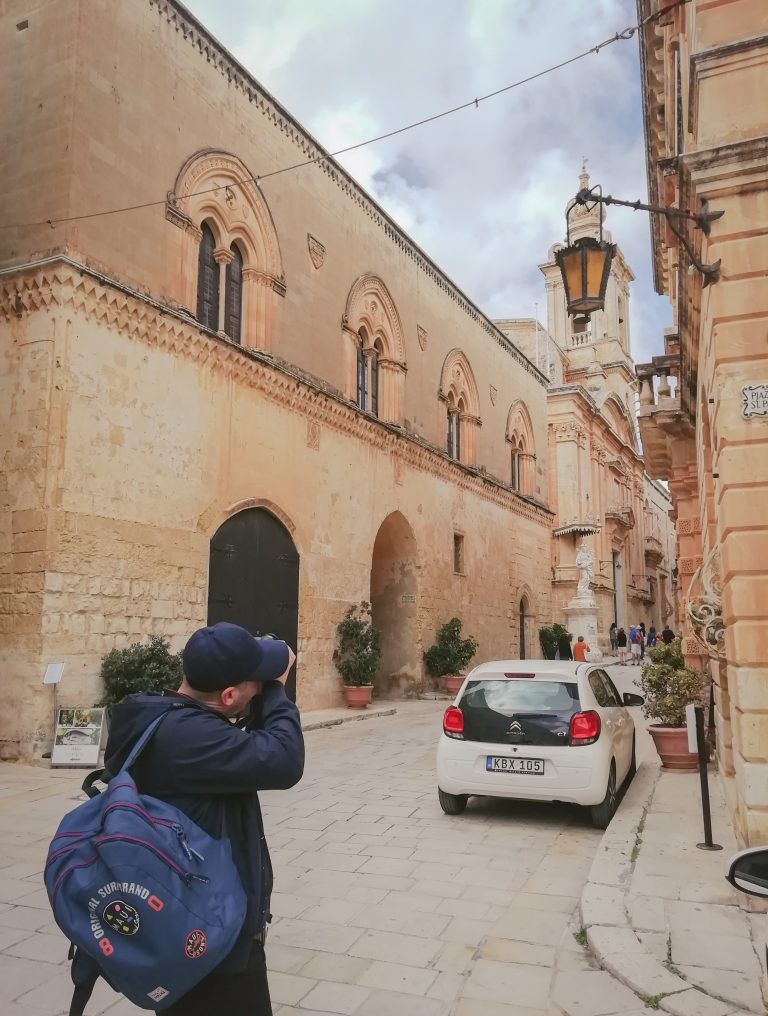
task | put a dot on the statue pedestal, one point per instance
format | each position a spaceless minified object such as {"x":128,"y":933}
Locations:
{"x":581,"y":619}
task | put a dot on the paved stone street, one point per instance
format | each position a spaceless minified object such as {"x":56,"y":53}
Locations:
{"x":383,"y":905}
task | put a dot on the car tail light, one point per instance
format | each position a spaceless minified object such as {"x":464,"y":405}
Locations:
{"x":453,"y":722}
{"x":585,"y":727}
{"x":519,"y":675}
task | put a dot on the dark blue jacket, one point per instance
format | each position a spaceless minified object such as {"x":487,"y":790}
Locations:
{"x":211,"y":770}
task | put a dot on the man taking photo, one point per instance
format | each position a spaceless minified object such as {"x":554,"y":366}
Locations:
{"x":211,"y":769}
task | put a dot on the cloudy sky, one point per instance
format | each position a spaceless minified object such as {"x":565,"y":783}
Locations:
{"x":482,"y":191}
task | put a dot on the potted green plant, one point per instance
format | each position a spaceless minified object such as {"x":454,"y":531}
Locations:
{"x":669,"y":686}
{"x":450,"y":654}
{"x":139,"y":668}
{"x":357,"y":654}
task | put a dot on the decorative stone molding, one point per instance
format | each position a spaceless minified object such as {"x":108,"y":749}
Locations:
{"x":689,"y":565}
{"x":688,"y":527}
{"x":493,"y":392}
{"x":313,"y":435}
{"x":457,"y":382}
{"x":62,"y":282}
{"x":370,"y":306}
{"x":316,"y":251}
{"x":704,"y":606}
{"x":421,"y":334}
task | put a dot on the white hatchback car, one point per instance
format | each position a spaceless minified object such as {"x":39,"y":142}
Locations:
{"x":539,"y":730}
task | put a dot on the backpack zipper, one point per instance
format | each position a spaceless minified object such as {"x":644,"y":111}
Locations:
{"x":186,"y":876}
{"x":57,"y":883}
{"x":175,"y":826}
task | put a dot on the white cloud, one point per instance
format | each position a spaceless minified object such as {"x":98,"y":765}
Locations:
{"x":483,"y":191}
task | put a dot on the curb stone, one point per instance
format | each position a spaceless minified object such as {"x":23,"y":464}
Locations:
{"x":353,"y":717}
{"x":605,"y":915}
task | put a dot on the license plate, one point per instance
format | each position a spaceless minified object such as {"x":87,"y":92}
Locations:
{"x":523,"y":766}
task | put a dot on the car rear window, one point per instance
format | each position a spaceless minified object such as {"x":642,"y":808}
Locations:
{"x":522,"y":695}
{"x":519,"y":711}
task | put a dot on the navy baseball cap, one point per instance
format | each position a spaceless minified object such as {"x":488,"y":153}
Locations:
{"x":225,"y":654}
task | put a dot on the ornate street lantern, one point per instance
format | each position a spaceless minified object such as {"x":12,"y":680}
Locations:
{"x":585,"y":266}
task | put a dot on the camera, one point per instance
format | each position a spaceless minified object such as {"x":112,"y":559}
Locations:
{"x":252,"y":719}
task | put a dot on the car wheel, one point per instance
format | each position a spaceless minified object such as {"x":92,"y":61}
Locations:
{"x":603,"y":813}
{"x":452,"y":804}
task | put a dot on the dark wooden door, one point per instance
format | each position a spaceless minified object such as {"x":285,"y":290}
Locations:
{"x":253,"y":578}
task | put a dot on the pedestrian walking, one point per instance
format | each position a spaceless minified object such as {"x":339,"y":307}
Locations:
{"x":612,"y":636}
{"x":651,"y":637}
{"x":211,"y":769}
{"x":621,"y":645}
{"x":580,"y":649}
{"x":667,"y":635}
{"x":642,"y":642}
{"x":636,"y":640}
{"x":564,"y":646}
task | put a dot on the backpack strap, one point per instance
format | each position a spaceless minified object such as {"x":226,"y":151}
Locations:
{"x":85,"y":973}
{"x":143,"y":741}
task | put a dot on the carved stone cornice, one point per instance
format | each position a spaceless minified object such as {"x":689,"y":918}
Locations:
{"x":59,"y":282}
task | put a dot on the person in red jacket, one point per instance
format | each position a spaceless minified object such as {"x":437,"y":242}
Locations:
{"x":580,"y":649}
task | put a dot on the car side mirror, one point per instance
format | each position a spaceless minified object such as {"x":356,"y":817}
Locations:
{"x":748,"y":871}
{"x":633,"y":700}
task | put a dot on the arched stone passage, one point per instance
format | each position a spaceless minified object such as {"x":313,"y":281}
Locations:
{"x":394,"y":594}
{"x":253,"y":578}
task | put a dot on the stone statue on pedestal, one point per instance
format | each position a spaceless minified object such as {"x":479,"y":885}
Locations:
{"x":585,"y":562}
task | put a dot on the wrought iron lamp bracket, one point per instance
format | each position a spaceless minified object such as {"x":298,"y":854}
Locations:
{"x":589,"y":197}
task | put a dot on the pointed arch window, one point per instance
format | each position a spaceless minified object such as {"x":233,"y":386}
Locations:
{"x":375,"y":377}
{"x":233,"y":307}
{"x":517,"y":464}
{"x":457,"y":430}
{"x":207,"y":280}
{"x":362,"y":373}
{"x":450,"y":441}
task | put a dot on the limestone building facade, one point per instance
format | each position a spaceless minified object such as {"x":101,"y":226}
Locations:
{"x":704,"y":398}
{"x":598,"y":486}
{"x":250,"y":396}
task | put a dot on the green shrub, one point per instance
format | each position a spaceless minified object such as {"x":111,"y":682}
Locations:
{"x":451,"y":653}
{"x":358,"y":651}
{"x":139,"y":668}
{"x":668,"y":685}
{"x":549,"y":637}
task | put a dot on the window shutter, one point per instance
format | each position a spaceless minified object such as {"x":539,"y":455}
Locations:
{"x":375,"y":383}
{"x":207,"y":281}
{"x":450,"y":433}
{"x":361,"y":379}
{"x":233,"y":307}
{"x":457,"y":439}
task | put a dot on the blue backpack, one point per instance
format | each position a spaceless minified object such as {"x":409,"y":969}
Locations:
{"x":149,"y":901}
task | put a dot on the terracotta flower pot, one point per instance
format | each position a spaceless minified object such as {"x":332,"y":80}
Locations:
{"x":358,"y":696}
{"x":672,"y":746}
{"x":452,"y":683}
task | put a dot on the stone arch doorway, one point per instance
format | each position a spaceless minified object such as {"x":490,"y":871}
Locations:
{"x":253,"y":578}
{"x":394,"y":589}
